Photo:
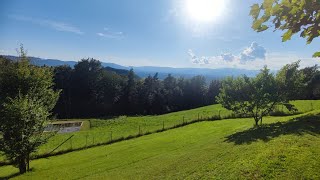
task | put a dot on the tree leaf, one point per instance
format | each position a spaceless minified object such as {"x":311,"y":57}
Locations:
{"x":287,"y":35}
{"x":263,"y":28}
{"x":255,"y":11}
{"x":316,"y":54}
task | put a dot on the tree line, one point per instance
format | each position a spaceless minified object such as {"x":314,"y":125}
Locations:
{"x":90,"y":90}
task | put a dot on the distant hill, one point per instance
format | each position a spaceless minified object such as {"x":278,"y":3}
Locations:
{"x":118,"y":71}
{"x":190,"y":72}
{"x":55,"y":62}
{"x":144,"y":71}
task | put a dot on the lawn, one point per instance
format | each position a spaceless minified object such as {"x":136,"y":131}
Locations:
{"x":103,"y":130}
{"x":284,"y":148}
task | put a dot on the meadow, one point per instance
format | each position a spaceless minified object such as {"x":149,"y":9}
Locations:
{"x":100,"y":131}
{"x":283,"y":148}
{"x":97,"y":131}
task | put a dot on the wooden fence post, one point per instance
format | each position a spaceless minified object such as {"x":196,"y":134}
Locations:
{"x":71,"y":143}
{"x":86,"y":140}
{"x":162,"y":125}
{"x":139,"y":130}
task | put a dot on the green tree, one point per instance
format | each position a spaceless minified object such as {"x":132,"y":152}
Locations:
{"x":291,"y":16}
{"x":213,"y":91}
{"x":290,"y":81}
{"x":26,"y":100}
{"x":62,"y":80}
{"x":311,"y":81}
{"x":255,"y":97}
{"x":130,"y":92}
{"x":84,"y":87}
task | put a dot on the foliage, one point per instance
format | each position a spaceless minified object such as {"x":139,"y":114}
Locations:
{"x":290,"y":81}
{"x":311,"y":81}
{"x":213,"y":91}
{"x":26,"y":99}
{"x":22,"y":124}
{"x":255,"y":97}
{"x":291,"y":16}
{"x":89,"y":90}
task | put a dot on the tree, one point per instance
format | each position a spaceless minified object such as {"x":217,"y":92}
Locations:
{"x":311,"y":81}
{"x":152,"y":95}
{"x":213,"y":91}
{"x":169,"y":85}
{"x":129,"y":98}
{"x":291,"y":16}
{"x":84,"y":87}
{"x":62,"y":80}
{"x":195,"y":91}
{"x":110,"y":86}
{"x":255,"y":97}
{"x":26,"y":100}
{"x":22,"y":124}
{"x":315,"y":84}
{"x":290,"y":81}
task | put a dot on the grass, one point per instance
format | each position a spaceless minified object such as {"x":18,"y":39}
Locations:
{"x":105,"y":130}
{"x":284,"y":148}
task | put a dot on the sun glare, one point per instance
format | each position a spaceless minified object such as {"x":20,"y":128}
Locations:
{"x":205,"y":10}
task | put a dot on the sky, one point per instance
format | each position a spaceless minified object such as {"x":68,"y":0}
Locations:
{"x":169,"y":33}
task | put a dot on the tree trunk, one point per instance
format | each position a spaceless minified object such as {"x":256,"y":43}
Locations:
{"x":28,"y":162}
{"x":22,"y":165}
{"x":260,"y":120}
{"x":256,"y":120}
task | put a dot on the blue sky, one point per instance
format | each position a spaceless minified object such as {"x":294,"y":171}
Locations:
{"x":146,"y":33}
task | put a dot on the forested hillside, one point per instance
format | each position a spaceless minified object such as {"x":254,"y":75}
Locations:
{"x":90,"y":90}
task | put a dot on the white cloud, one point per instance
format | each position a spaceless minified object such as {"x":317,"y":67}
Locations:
{"x":107,"y":33}
{"x":253,"y":52}
{"x":252,"y":57}
{"x":3,"y":51}
{"x":59,"y":26}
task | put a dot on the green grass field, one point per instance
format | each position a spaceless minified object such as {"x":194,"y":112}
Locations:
{"x":123,"y":126}
{"x":284,"y":148}
{"x":102,"y":130}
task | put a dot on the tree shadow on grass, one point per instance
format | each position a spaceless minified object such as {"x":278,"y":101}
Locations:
{"x":10,"y":176}
{"x":13,"y":175}
{"x":307,"y":124}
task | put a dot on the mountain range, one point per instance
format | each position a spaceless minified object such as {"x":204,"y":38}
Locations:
{"x":144,"y":71}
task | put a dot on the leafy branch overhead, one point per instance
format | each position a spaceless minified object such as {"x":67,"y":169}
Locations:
{"x":291,"y":16}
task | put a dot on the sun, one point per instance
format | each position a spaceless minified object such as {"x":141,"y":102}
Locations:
{"x":204,"y":10}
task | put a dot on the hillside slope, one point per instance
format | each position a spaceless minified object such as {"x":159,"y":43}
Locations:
{"x":285,"y":148}
{"x":124,"y":126}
